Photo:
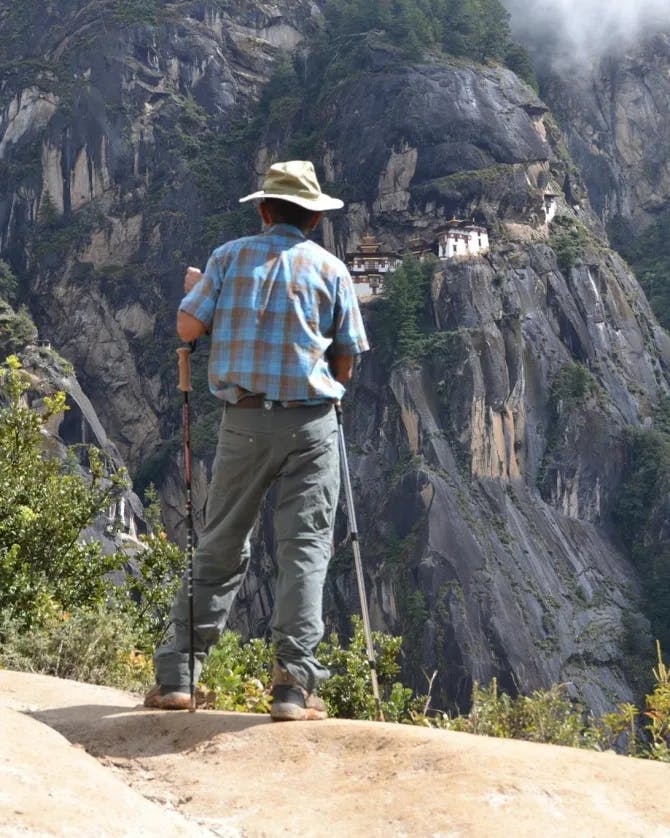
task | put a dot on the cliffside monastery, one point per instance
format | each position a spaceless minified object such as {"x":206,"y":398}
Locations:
{"x":369,"y":265}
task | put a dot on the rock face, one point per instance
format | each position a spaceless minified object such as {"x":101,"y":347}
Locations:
{"x":484,"y":489}
{"x":615,"y":115}
{"x":92,"y":104}
{"x":485,"y":506}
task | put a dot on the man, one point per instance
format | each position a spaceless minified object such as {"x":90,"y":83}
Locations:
{"x":285,"y":329}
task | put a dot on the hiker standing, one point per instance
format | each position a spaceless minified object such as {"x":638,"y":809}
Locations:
{"x":285,"y":329}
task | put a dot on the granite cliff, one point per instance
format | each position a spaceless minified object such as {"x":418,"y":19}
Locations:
{"x":485,"y":466}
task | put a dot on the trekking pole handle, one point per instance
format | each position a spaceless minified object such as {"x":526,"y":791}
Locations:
{"x":184,"y":353}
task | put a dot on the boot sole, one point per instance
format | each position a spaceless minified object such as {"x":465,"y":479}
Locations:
{"x":286,"y":712}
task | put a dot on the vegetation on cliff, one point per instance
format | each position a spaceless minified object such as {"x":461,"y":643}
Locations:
{"x":641,"y":515}
{"x":649,"y":256}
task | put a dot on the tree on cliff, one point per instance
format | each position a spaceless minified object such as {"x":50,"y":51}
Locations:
{"x":476,"y":29}
{"x":403,"y":308}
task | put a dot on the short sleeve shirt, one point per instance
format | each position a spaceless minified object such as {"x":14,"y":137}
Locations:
{"x":275,"y":304}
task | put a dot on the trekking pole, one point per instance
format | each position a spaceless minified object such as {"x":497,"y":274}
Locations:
{"x":353,"y":531}
{"x":184,"y":385}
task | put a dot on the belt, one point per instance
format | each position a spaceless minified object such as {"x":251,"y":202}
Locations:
{"x":259,"y":401}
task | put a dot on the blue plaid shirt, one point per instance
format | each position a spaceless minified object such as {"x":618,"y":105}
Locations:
{"x":274,"y":304}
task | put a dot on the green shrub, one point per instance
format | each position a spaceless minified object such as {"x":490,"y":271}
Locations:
{"x":16,"y":328}
{"x":657,"y":713}
{"x":136,"y":11}
{"x":95,"y":645}
{"x":8,"y":283}
{"x":146,"y":595}
{"x":571,"y":387}
{"x":237,"y":676}
{"x":544,"y":716}
{"x":568,"y":239}
{"x":45,"y":503}
{"x":348,"y":692}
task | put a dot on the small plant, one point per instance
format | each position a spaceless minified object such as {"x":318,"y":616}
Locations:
{"x":657,"y":711}
{"x":16,"y":328}
{"x":8,"y":283}
{"x":136,"y":11}
{"x":544,"y":716}
{"x":146,"y":594}
{"x":348,"y":692}
{"x":237,"y":676}
{"x":571,"y":387}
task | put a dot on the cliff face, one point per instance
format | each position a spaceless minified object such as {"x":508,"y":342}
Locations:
{"x":484,"y":500}
{"x":484,"y":473}
{"x":616,"y":116}
{"x":98,"y":209}
{"x":484,"y":469}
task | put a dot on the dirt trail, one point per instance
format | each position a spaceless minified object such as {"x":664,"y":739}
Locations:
{"x":80,"y":760}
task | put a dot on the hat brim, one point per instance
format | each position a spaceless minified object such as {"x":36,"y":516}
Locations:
{"x":321,"y":204}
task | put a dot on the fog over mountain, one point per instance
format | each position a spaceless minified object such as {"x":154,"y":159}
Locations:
{"x":581,"y":31}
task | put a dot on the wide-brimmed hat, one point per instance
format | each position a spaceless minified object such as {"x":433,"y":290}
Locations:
{"x":296,"y":182}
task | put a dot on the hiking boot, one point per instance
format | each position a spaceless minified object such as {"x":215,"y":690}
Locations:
{"x":291,"y":702}
{"x":167,"y":698}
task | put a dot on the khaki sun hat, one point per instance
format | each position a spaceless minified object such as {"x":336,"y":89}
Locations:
{"x":295,"y":181}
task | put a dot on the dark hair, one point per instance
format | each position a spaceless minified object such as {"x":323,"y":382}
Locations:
{"x":285,"y":212}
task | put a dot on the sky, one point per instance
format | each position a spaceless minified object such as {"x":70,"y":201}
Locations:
{"x":578,"y":31}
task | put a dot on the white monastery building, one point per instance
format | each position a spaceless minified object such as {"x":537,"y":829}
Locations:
{"x":462,"y":239}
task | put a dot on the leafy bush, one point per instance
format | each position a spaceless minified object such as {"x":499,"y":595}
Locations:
{"x":8,"y":283}
{"x":146,"y":595}
{"x":657,"y":711}
{"x":16,"y":328}
{"x":136,"y":11}
{"x":568,"y":240}
{"x":348,"y":692}
{"x":53,"y":584}
{"x":237,"y":676}
{"x":571,"y":387}
{"x":544,"y":716}
{"x":44,"y":505}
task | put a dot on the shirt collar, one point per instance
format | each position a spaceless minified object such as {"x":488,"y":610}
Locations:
{"x":287,"y":230}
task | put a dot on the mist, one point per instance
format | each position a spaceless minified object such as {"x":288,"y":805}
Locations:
{"x":583,"y":31}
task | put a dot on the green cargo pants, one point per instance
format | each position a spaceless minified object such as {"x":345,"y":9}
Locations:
{"x":296,"y":447}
